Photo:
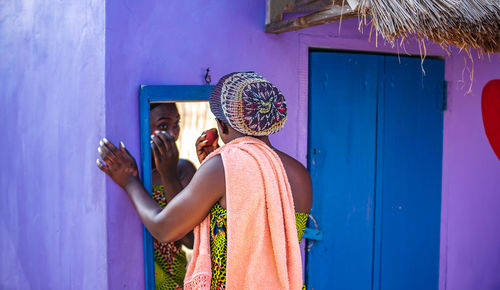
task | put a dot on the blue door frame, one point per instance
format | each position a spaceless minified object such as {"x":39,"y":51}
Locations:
{"x":148,"y":95}
{"x":375,"y":154}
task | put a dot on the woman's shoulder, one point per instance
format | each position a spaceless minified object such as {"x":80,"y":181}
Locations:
{"x":186,"y":171}
{"x":292,"y":165}
{"x":300,"y":182}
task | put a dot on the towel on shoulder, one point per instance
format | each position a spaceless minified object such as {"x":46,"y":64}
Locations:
{"x":262,"y":247}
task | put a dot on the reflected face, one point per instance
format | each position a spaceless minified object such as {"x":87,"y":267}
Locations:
{"x":165,"y":117}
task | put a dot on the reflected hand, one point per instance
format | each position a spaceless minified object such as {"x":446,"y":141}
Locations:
{"x":207,"y":143}
{"x":118,"y":163}
{"x":165,"y":153}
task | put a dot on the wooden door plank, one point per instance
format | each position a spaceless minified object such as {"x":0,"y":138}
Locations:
{"x":410,"y":139}
{"x":342,"y":138}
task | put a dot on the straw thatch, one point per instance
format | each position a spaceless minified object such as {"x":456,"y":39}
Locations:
{"x":463,"y":23}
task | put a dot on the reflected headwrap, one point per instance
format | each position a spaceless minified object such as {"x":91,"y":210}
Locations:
{"x":249,"y":104}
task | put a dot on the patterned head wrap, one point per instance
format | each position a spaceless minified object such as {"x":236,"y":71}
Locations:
{"x":249,"y":104}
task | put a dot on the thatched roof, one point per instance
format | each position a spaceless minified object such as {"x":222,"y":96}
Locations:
{"x":463,"y":23}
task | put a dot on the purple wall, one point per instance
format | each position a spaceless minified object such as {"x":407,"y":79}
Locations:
{"x":52,"y":213}
{"x":152,"y":42}
{"x":470,"y":234}
{"x":155,"y":43}
{"x":63,"y":225}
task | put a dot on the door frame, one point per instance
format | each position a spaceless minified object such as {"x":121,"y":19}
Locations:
{"x":335,"y":43}
{"x":308,"y":42}
{"x":159,"y":94}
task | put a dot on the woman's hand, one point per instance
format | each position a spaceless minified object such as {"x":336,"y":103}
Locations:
{"x":166,"y":154}
{"x":207,"y":143}
{"x":118,"y":163}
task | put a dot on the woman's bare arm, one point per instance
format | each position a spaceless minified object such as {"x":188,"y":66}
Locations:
{"x":186,"y":210}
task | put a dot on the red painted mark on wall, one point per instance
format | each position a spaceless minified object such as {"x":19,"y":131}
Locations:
{"x":490,"y":107}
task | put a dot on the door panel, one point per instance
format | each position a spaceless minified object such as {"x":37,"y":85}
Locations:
{"x":411,"y":148}
{"x":375,"y":153}
{"x":341,"y":163}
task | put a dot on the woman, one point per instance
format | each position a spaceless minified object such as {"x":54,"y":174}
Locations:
{"x":169,"y":177}
{"x":260,"y":186}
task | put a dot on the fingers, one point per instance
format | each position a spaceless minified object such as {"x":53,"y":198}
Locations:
{"x":203,"y":149}
{"x":112,"y":156}
{"x":168,"y":140}
{"x":201,"y":145}
{"x":155,"y":150}
{"x":162,"y":145}
{"x":105,"y":154}
{"x":116,"y":163}
{"x":202,"y":138}
{"x":169,"y":148}
{"x":124,"y":150}
{"x":108,"y":152}
{"x":103,"y":167}
{"x":110,"y":146}
{"x":131,"y":159}
{"x":201,"y":156}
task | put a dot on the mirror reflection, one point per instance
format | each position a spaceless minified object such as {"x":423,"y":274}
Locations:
{"x":182,"y":123}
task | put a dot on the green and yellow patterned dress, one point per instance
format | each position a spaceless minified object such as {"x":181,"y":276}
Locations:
{"x":170,"y":259}
{"x":218,"y":242}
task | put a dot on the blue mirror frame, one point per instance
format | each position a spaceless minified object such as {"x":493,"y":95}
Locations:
{"x":148,"y":95}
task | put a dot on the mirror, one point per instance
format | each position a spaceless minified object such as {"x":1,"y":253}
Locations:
{"x":183,"y":112}
{"x":195,"y":118}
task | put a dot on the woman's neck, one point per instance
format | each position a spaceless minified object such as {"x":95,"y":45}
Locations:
{"x":264,"y":139}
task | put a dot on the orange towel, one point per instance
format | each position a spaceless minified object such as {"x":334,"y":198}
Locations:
{"x":262,"y":247}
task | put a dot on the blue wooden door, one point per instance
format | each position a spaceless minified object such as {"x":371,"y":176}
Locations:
{"x":375,"y":147}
